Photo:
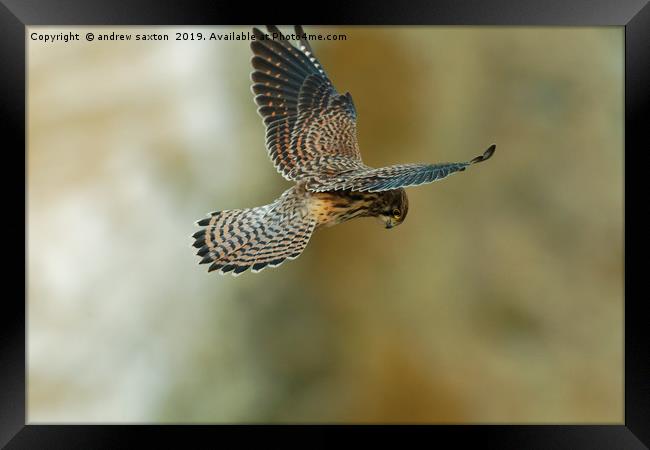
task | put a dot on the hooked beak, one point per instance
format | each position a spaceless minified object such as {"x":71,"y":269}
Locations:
{"x":389,"y":225}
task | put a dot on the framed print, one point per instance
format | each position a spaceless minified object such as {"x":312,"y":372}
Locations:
{"x":168,"y":147}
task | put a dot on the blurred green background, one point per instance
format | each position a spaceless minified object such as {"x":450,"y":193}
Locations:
{"x":500,"y":298}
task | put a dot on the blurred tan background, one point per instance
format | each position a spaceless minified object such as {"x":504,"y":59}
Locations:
{"x":500,"y":298}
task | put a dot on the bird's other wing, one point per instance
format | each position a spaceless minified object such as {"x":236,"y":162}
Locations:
{"x":398,"y":176}
{"x":310,"y":127}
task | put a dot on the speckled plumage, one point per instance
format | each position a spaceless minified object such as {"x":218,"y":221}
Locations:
{"x":311,"y":140}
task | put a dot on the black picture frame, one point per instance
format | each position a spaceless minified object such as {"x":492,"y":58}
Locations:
{"x":634,"y":15}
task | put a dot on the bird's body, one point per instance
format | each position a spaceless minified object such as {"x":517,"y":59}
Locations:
{"x":335,"y":207}
{"x":311,"y":139}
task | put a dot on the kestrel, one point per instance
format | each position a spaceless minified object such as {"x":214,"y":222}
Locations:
{"x":311,"y":139}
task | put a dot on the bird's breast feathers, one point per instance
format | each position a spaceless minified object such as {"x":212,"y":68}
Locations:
{"x":332,"y":208}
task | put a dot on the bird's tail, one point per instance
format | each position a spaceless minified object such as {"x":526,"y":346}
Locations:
{"x":234,"y":240}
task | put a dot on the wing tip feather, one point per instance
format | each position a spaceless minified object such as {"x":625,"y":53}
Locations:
{"x":487,"y":154}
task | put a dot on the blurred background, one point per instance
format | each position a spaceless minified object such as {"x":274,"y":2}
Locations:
{"x":500,"y":298}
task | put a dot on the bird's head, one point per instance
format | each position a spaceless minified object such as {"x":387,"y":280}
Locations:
{"x":392,"y":207}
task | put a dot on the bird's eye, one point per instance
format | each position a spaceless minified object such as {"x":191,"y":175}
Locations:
{"x":397,"y":213}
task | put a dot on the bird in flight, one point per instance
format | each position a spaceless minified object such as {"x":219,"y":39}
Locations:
{"x":311,"y":140}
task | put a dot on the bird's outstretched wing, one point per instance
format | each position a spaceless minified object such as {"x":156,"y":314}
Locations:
{"x":311,"y":131}
{"x":310,"y":127}
{"x":393,"y":177}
